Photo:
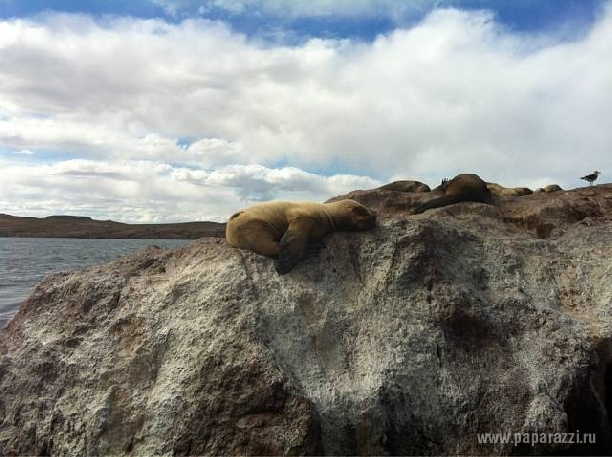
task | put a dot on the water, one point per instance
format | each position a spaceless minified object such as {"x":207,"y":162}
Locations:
{"x":25,"y":261}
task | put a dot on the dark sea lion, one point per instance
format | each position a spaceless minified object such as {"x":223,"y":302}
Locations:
{"x":462,"y":188}
{"x":406,"y":186}
{"x":282,"y":230}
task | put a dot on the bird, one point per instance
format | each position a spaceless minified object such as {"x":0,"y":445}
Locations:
{"x":592,"y":177}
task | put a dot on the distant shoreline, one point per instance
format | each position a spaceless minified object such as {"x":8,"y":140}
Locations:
{"x":86,"y":227}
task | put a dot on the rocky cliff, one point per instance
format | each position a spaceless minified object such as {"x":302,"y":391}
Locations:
{"x":412,"y":338}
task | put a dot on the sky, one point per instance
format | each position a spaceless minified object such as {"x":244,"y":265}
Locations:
{"x":179,"y":110}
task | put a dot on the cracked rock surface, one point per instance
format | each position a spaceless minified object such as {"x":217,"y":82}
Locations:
{"x":411,"y":338}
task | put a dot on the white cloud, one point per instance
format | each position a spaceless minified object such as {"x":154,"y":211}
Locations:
{"x":145,"y":191}
{"x":255,"y":182}
{"x":237,"y":118}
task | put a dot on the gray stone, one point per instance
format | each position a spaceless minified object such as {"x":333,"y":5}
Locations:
{"x":412,"y":338}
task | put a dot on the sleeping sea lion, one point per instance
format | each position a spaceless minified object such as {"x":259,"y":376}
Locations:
{"x":282,"y":230}
{"x":552,"y":188}
{"x":462,"y":188}
{"x":497,"y":189}
{"x":406,"y":186}
{"x":521,"y":191}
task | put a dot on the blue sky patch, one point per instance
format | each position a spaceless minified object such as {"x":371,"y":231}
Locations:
{"x":255,"y":19}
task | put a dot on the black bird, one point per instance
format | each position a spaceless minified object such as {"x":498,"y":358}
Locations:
{"x":592,"y":177}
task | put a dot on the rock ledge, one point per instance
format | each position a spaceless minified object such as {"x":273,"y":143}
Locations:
{"x":412,"y":338}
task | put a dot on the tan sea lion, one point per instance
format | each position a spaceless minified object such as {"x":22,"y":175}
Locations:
{"x":462,"y":188}
{"x":549,"y":189}
{"x":520,"y":191}
{"x":282,"y":230}
{"x":552,"y":188}
{"x":498,"y":189}
{"x":406,"y":186}
{"x":494,"y":188}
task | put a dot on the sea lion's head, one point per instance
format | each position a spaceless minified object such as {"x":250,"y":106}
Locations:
{"x":352,"y":215}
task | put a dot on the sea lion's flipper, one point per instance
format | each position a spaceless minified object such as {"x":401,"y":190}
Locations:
{"x":444,"y":200}
{"x":293,"y":245}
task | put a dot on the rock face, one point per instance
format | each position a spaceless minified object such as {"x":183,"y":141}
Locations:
{"x":412,"y":338}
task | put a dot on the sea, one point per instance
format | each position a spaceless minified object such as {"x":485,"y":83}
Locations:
{"x":25,"y":261}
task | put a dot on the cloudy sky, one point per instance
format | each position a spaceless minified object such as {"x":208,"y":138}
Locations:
{"x":177,"y":110}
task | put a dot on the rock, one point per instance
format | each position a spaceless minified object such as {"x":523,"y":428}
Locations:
{"x":139,"y":356}
{"x":539,"y":213}
{"x":398,"y":196}
{"x":551,"y":213}
{"x":385,"y":202}
{"x":412,"y":338}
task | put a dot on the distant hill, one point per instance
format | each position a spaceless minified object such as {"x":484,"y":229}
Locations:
{"x":86,"y":227}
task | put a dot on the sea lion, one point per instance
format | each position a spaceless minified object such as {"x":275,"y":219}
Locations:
{"x":406,"y":186}
{"x":494,"y":188}
{"x":462,"y":188}
{"x":520,"y":191}
{"x":549,"y":189}
{"x":498,"y":189}
{"x":282,"y":230}
{"x":552,"y":188}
